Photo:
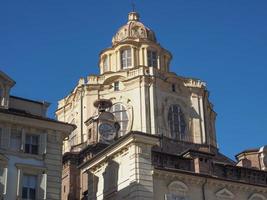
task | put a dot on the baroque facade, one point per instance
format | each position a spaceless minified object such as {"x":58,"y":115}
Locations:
{"x":165,"y":146}
{"x":30,"y":147}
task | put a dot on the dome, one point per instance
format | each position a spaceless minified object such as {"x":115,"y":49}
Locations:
{"x":133,"y":30}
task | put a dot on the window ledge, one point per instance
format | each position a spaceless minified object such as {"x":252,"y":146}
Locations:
{"x":22,"y":154}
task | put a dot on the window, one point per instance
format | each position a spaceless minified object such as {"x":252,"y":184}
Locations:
{"x":73,"y":140}
{"x":173,"y":88}
{"x":121,"y":116}
{"x":31,"y":144}
{"x":105,"y":64}
{"x":126,"y":58}
{"x":29,"y":187}
{"x":176,"y":122}
{"x":152,"y":58}
{"x":15,"y":139}
{"x":116,"y":86}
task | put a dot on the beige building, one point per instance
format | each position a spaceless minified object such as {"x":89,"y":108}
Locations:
{"x":166,"y":146}
{"x":30,"y":147}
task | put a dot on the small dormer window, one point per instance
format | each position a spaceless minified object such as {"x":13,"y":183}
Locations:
{"x":173,"y":88}
{"x":116,"y":86}
{"x":105,"y":64}
{"x":126,"y":58}
{"x":152,"y":58}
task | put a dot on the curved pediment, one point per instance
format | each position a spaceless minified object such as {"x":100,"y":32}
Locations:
{"x":257,"y":197}
{"x":225,"y":194}
{"x":178,"y":187}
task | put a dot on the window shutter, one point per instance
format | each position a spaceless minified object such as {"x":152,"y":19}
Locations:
{"x":2,"y":181}
{"x":5,"y":137}
{"x":22,"y":140}
{"x":43,"y":143}
{"x":19,"y":184}
{"x":42,"y":186}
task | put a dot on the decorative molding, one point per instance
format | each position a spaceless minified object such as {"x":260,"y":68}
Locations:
{"x":225,"y":194}
{"x":178,"y":188}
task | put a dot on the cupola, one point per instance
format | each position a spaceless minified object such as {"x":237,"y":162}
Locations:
{"x":133,"y":30}
{"x":134,"y":45}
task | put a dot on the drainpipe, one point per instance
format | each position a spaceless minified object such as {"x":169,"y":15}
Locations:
{"x":203,"y":189}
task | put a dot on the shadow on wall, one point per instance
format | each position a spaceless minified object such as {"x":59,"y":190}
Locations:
{"x":111,"y":191}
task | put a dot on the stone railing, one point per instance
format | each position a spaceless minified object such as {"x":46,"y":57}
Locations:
{"x":242,"y":174}
{"x":217,"y":170}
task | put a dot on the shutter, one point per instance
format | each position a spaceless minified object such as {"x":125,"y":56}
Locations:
{"x":2,"y":181}
{"x":43,"y":143}
{"x":23,"y":135}
{"x":19,"y":184}
{"x":5,"y":137}
{"x":42,"y":186}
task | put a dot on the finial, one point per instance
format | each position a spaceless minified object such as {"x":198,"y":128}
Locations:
{"x":133,"y":6}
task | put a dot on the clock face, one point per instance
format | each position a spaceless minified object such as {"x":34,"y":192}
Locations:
{"x":107,"y":131}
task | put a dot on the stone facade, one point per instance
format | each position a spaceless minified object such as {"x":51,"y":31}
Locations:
{"x":30,"y":147}
{"x":166,"y":147}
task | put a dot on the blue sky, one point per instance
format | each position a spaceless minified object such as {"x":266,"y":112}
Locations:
{"x":46,"y":46}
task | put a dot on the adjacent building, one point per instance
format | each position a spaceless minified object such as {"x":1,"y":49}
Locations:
{"x":165,"y":147}
{"x":30,"y":147}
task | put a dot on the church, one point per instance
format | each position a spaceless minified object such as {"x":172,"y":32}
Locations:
{"x":145,"y":133}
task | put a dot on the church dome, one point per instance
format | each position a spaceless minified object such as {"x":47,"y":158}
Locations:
{"x":133,"y":30}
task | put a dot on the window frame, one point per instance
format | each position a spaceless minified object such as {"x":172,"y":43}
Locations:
{"x":105,"y":64}
{"x":116,"y":86}
{"x":152,"y":58}
{"x":19,"y":132}
{"x":29,"y":187}
{"x":178,"y":131}
{"x":39,"y":171}
{"x":126,"y":58}
{"x":123,"y":109}
{"x":31,"y":145}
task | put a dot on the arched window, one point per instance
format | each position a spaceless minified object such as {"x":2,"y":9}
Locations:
{"x":126,"y":58}
{"x":121,"y":116}
{"x":105,"y":64}
{"x":176,"y":122}
{"x":152,"y":58}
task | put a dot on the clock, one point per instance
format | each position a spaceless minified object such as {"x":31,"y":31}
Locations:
{"x":107,"y":131}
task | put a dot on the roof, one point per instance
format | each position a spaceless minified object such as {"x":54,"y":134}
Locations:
{"x":252,"y":150}
{"x":7,"y":78}
{"x":30,"y":100}
{"x":23,"y":113}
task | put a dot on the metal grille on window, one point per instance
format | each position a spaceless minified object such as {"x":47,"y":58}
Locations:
{"x":177,"y":123}
{"x":121,"y":116}
{"x":152,"y":58}
{"x":29,"y":187}
{"x":126,"y":58}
